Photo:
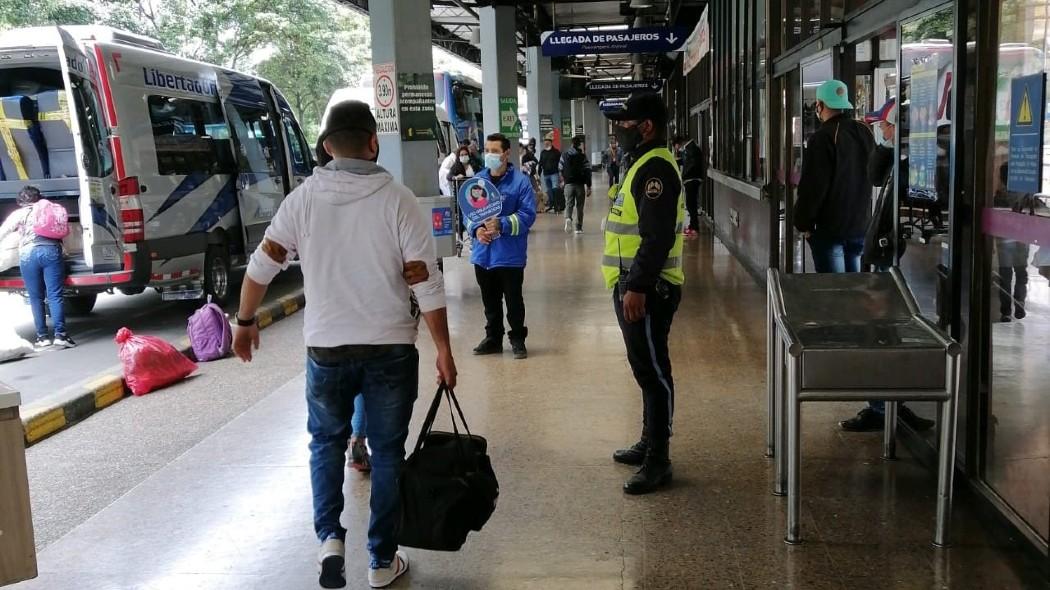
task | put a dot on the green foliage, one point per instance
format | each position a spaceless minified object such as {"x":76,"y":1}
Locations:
{"x":307,"y":48}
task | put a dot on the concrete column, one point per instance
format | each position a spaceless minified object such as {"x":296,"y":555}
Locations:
{"x":594,"y":127}
{"x":542,"y":87}
{"x":499,"y":65}
{"x":413,"y":163}
{"x":566,"y":113}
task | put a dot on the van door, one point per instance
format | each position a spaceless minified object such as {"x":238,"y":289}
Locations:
{"x":81,"y":110}
{"x":298,"y":153}
{"x":262,"y":177}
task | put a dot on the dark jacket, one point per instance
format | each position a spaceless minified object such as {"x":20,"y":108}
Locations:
{"x":529,"y":162}
{"x":692,"y":162}
{"x":458,"y":169}
{"x":549,"y":161}
{"x":834,"y":192}
{"x":657,"y":217}
{"x":574,"y":167}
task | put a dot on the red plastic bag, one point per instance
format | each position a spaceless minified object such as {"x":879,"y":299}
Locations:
{"x":150,"y":363}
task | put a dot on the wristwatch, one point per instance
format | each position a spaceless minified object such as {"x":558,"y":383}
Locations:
{"x":245,"y":323}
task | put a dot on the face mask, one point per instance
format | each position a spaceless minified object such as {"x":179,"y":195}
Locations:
{"x":464,"y":159}
{"x":628,"y":137}
{"x":493,"y":162}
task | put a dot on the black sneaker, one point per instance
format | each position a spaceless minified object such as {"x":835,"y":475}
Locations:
{"x":632,"y":455}
{"x":1019,"y":313}
{"x":1005,"y":318}
{"x":867,"y":420}
{"x":42,"y":342}
{"x":915,"y":422}
{"x":489,"y":346}
{"x":64,"y":341}
{"x":520,"y":352}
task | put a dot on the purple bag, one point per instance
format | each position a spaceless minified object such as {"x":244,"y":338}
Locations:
{"x":209,"y":332}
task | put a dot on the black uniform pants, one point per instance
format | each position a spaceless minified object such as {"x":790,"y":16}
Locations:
{"x":692,"y":203}
{"x":650,"y":359}
{"x":497,"y":285}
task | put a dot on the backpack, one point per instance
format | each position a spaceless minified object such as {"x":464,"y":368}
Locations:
{"x":209,"y":332}
{"x":49,"y":220}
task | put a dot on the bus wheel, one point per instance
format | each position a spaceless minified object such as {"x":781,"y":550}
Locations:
{"x":80,"y":304}
{"x":217,"y":275}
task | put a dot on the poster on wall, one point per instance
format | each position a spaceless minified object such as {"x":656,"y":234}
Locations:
{"x":1025,"y":173}
{"x":922,"y":132}
{"x":415,"y":93}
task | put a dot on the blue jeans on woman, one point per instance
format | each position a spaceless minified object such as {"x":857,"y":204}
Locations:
{"x":387,"y":379}
{"x":836,"y":254}
{"x":44,"y":273}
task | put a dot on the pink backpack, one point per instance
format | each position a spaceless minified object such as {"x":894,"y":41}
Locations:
{"x":49,"y":220}
{"x":209,"y":332}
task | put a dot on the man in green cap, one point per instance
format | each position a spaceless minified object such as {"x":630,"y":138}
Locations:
{"x":834,"y":193}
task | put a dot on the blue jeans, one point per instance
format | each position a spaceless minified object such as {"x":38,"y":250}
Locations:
{"x":550,"y":184}
{"x":358,"y":422}
{"x":387,"y":378}
{"x":44,"y":273}
{"x":836,"y":255}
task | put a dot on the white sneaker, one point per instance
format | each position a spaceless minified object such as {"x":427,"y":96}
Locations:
{"x":579,"y":232}
{"x":568,"y":226}
{"x":332,"y":559}
{"x":383,"y":577}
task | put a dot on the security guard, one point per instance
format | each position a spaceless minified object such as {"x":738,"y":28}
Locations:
{"x":642,"y":264}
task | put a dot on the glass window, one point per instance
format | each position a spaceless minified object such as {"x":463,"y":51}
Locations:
{"x":1016,"y":221}
{"x":98,"y":161}
{"x":738,"y":87}
{"x":301,"y":161}
{"x":190,"y":136}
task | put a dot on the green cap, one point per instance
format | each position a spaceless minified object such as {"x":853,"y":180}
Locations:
{"x":835,"y":95}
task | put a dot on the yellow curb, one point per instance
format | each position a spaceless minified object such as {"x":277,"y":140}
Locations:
{"x":265,"y":318}
{"x":108,"y":390}
{"x":290,"y":306}
{"x":45,"y":424}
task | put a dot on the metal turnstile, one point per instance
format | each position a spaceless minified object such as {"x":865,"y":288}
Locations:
{"x":854,"y":337}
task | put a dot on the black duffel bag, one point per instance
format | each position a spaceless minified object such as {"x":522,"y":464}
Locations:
{"x":448,"y":487}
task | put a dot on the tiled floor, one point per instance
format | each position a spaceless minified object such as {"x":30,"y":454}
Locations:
{"x":234,"y":511}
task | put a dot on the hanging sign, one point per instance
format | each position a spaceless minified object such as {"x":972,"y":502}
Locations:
{"x":415,"y":97}
{"x":611,"y":105}
{"x":698,"y":44}
{"x":1025,"y":174}
{"x":623,"y":87}
{"x":479,"y":200}
{"x":640,"y":40}
{"x":385,"y":99}
{"x":546,"y":125}
{"x":509,"y":124}
{"x":566,"y":127}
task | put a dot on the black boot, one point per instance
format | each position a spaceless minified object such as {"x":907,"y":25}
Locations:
{"x":490,"y":345}
{"x":655,"y":472}
{"x":632,"y":455}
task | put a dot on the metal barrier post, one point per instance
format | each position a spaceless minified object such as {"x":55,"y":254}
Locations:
{"x":771,"y":377}
{"x":889,"y":433}
{"x":779,"y":431}
{"x":946,"y":461}
{"x":793,"y":450}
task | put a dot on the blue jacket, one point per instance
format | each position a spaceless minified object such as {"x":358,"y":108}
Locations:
{"x":510,"y":250}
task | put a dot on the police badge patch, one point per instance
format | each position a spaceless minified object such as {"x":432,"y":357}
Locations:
{"x":654,"y":187}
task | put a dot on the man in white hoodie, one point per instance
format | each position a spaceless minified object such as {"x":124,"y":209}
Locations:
{"x":369,"y":265}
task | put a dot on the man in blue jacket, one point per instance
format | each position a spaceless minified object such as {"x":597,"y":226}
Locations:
{"x":500,"y":250}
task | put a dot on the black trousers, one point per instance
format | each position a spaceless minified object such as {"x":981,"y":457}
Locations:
{"x":499,"y":285}
{"x":692,"y":203}
{"x":1018,"y":275}
{"x":650,"y":359}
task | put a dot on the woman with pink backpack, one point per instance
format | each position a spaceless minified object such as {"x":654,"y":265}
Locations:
{"x":41,"y":225}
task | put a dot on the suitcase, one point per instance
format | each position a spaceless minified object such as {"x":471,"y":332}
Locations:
{"x":53,"y":115}
{"x":558,"y":199}
{"x":23,"y":153}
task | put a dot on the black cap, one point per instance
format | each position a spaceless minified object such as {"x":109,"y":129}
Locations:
{"x":641,"y":106}
{"x":346,"y":116}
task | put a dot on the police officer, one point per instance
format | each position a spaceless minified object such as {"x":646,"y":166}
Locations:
{"x":642,"y":264}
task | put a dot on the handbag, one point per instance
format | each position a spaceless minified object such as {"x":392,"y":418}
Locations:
{"x":448,"y":487}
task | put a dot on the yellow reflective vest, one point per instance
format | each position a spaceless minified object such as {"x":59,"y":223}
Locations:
{"x":622,"y":237}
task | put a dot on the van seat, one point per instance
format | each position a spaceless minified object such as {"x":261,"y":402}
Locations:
{"x":23,"y":154}
{"x":53,"y":114}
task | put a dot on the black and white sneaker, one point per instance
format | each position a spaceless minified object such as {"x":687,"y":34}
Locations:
{"x":42,"y":342}
{"x":64,"y":341}
{"x":381,"y":577}
{"x":332,"y":559}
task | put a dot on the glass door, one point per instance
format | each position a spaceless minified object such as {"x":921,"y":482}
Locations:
{"x":1015,"y":221}
{"x":925,"y":202}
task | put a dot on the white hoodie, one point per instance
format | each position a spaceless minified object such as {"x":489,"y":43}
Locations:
{"x":353,"y":228}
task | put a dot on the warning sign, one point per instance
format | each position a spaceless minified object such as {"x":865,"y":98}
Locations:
{"x":1025,"y":170}
{"x":1024,"y":112}
{"x":385,"y":99}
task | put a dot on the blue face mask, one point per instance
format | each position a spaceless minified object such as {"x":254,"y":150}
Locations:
{"x":493,"y":162}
